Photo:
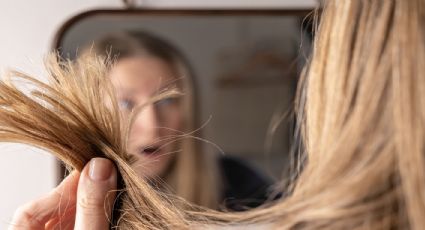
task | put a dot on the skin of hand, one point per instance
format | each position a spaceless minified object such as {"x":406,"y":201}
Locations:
{"x":82,"y":201}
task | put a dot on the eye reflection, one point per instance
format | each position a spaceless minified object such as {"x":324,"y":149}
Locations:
{"x":126,"y":104}
{"x":166,"y":102}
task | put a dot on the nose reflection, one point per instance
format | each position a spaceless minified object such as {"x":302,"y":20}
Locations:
{"x":147,"y":123}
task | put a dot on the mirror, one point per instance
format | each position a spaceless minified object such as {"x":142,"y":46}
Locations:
{"x":246,"y":64}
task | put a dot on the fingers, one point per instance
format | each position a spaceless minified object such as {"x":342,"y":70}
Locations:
{"x":96,"y":195}
{"x":82,"y":200}
{"x":65,"y":221}
{"x":36,"y":214}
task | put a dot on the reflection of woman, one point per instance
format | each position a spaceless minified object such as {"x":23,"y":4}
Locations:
{"x":364,"y":128}
{"x":161,"y":135}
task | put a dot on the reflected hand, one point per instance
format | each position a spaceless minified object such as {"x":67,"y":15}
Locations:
{"x":82,"y":201}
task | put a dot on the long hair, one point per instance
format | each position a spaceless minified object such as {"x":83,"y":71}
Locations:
{"x":194,"y":174}
{"x":363,"y":99}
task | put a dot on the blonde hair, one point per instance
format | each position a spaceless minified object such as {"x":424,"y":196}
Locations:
{"x":362,"y":96}
{"x":194,"y":174}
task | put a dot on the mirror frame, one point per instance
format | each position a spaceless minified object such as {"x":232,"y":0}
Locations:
{"x":61,"y":32}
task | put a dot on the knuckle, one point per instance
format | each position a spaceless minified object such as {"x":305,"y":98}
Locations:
{"x":24,"y":216}
{"x":91,"y":205}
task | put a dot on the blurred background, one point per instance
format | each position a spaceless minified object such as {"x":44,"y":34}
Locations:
{"x":240,"y":102}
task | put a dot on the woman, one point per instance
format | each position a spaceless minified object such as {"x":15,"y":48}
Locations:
{"x":364,"y":123}
{"x":164,"y":136}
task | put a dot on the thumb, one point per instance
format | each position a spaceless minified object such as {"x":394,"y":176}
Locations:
{"x":96,"y":195}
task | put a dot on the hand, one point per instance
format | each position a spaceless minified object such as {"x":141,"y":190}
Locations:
{"x":82,"y":201}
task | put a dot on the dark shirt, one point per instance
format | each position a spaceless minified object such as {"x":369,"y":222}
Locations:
{"x":244,"y":186}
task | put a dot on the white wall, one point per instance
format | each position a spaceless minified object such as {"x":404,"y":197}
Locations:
{"x":27,"y":29}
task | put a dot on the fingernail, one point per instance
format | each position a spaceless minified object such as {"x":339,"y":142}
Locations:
{"x":100,"y":169}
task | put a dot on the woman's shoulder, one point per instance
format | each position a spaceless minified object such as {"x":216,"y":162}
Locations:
{"x":244,"y":185}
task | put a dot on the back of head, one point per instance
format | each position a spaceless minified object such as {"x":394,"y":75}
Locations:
{"x":364,"y":106}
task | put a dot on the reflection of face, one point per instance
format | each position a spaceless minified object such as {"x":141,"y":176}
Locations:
{"x":136,"y":80}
